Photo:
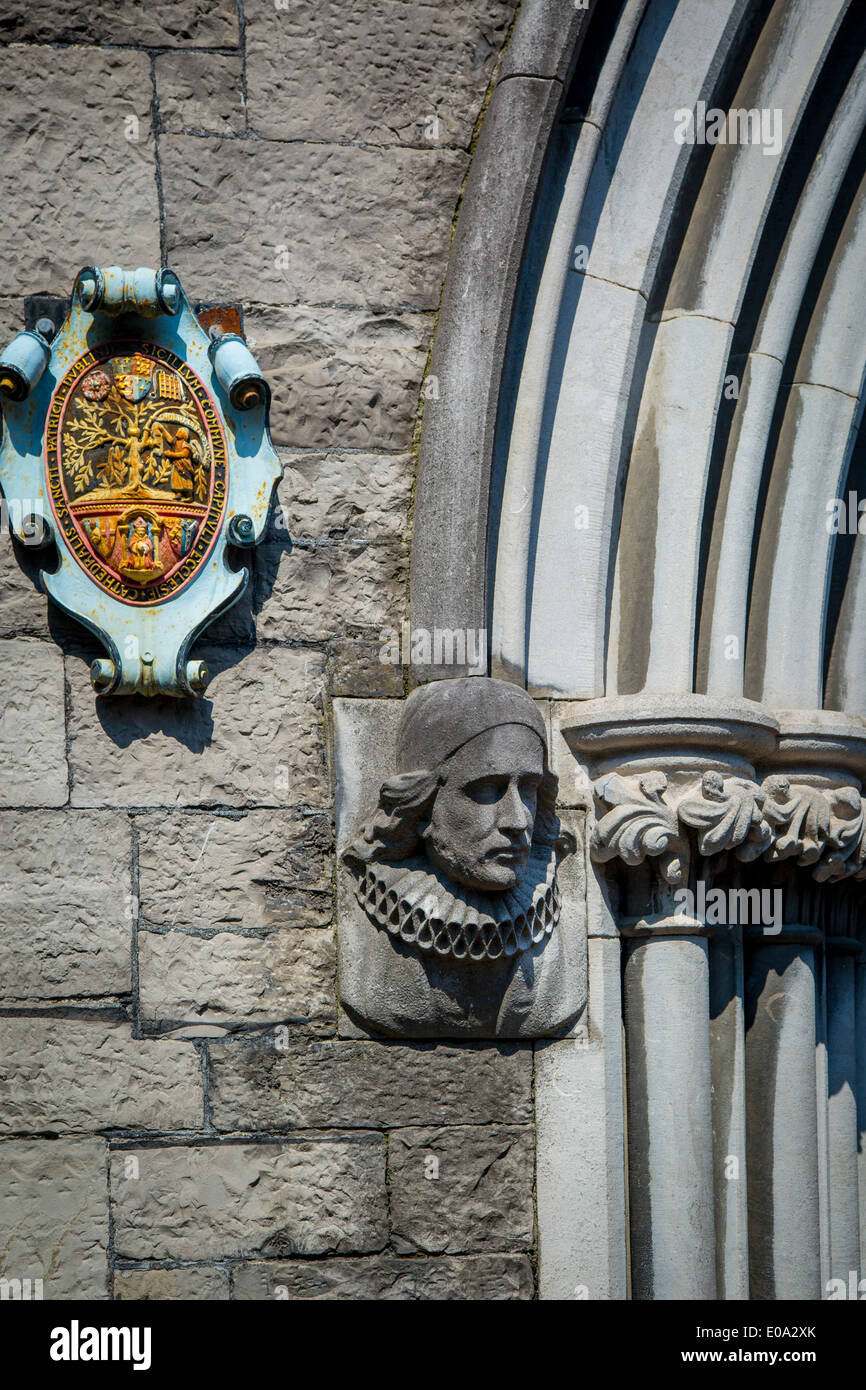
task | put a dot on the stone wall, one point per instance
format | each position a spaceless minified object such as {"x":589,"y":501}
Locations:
{"x":185,"y":1114}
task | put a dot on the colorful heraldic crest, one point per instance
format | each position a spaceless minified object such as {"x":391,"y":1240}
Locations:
{"x":137,"y":469}
{"x":136,"y":458}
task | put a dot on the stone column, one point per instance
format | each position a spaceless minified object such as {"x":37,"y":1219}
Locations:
{"x":673,"y":780}
{"x":843,"y":1128}
{"x":728,"y":1067}
{"x":745,"y":1052}
{"x":782,"y":1116}
{"x":670,"y":1126}
{"x":822,"y":1097}
{"x":802,"y":1040}
{"x":860,"y":1011}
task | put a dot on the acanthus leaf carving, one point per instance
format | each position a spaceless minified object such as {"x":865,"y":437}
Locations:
{"x":728,"y":814}
{"x":640,"y":824}
{"x":824,"y":830}
{"x":801,"y":820}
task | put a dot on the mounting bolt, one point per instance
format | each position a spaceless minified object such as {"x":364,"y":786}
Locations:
{"x":102,"y":674}
{"x":241,"y":530}
{"x":197,"y":676}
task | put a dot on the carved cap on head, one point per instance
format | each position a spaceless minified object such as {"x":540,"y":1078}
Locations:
{"x":440,"y":717}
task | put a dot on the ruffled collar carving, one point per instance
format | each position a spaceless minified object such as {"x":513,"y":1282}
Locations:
{"x":415,"y":903}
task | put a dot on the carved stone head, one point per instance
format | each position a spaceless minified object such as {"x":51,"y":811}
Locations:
{"x":465,"y":831}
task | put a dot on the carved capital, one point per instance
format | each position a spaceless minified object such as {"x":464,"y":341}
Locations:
{"x":639,"y":824}
{"x":820,"y":828}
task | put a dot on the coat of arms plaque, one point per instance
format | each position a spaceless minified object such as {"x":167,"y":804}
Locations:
{"x":139,"y":443}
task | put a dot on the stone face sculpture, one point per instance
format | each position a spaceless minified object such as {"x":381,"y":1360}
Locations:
{"x":455,"y":929}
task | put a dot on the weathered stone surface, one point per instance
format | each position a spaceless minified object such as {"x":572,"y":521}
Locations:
{"x":478,"y":298}
{"x":11,"y":315}
{"x":54,"y":1215}
{"x":32,"y":735}
{"x":66,"y":1074}
{"x":367,"y":1085}
{"x":461,"y":1189}
{"x":544,"y":38}
{"x":65,"y":916}
{"x":203,"y":22}
{"x":153,"y":1285}
{"x":265,"y":869}
{"x":340,"y":376}
{"x":355,"y":668}
{"x":312,"y":1197}
{"x":477,"y":1277}
{"x":380,"y":73}
{"x":85,"y":168}
{"x":579,"y":1181}
{"x":253,"y":221}
{"x":200,"y":92}
{"x":365,"y":742}
{"x":253,"y":738}
{"x":343,"y":493}
{"x":23,"y":609}
{"x":237,"y":980}
{"x":315,"y":590}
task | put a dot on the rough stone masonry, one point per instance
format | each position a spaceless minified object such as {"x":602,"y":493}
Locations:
{"x":186,"y":1113}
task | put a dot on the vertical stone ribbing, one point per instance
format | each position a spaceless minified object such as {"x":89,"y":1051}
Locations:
{"x":842,"y":1107}
{"x":728,"y":1065}
{"x":781,"y":1117}
{"x":860,"y":1012}
{"x":670,"y":1124}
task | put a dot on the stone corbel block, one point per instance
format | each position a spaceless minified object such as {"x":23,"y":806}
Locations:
{"x":461,"y":889}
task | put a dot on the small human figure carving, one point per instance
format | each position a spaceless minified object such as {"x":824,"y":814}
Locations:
{"x":140,"y":545}
{"x":182,"y":459}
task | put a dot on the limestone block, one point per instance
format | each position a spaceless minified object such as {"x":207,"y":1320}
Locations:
{"x":310,"y":1197}
{"x":233,"y":979}
{"x":65,"y":917}
{"x":252,"y":738}
{"x":476,"y":1277}
{"x":355,"y":668}
{"x":253,"y":221}
{"x":208,"y":23}
{"x":265,"y":869}
{"x":54,"y":1215}
{"x":61,"y":209}
{"x":461,"y":1189}
{"x":340,"y":376}
{"x":23,"y":609}
{"x":321,"y":71}
{"x":200,"y":92}
{"x":11,"y":315}
{"x":363,"y":1084}
{"x":203,"y":1284}
{"x":343,"y":492}
{"x":316,"y":590}
{"x":69,"y":1074}
{"x":570,"y":766}
{"x":32,"y":734}
{"x":364,"y":750}
{"x":580,"y":1174}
